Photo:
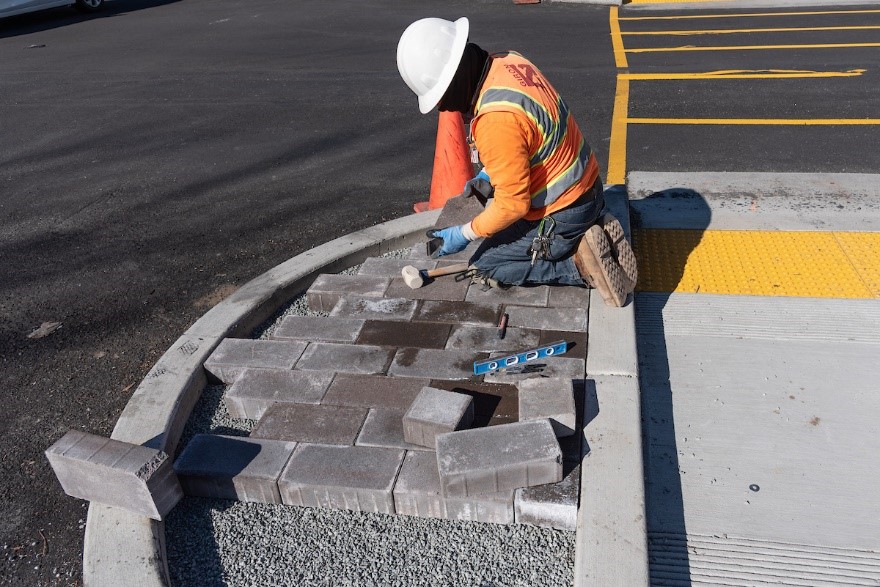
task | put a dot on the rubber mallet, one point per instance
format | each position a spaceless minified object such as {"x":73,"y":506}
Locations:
{"x":416,"y":278}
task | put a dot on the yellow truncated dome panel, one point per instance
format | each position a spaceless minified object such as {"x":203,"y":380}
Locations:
{"x":761,"y":263}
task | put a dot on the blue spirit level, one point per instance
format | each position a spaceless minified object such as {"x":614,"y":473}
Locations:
{"x":550,"y":350}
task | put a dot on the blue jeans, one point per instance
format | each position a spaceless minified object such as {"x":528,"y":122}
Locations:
{"x":506,"y":256}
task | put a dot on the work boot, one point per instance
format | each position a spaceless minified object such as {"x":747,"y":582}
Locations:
{"x":620,"y":248}
{"x":600,"y":269}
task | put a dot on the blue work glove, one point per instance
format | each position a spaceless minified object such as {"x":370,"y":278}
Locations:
{"x":454,"y":240}
{"x":473,"y":182}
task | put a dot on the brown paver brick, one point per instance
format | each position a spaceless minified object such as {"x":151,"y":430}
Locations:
{"x":458,"y":210}
{"x":234,"y":355}
{"x":390,"y":267}
{"x":328,"y":288}
{"x":345,"y":358}
{"x":577,"y":342}
{"x":515,"y":296}
{"x":562,"y":319}
{"x":230,"y":467}
{"x":384,"y":428}
{"x":487,"y":460}
{"x":485,"y":339}
{"x":319,"y":424}
{"x":375,"y":309}
{"x":444,"y":287}
{"x":356,"y":478}
{"x":435,"y":411}
{"x":551,"y":506}
{"x":568,"y":296}
{"x":458,"y":312}
{"x":417,"y":493}
{"x":434,"y":363}
{"x":418,"y":252}
{"x":257,"y":389}
{"x":318,"y":329}
{"x":404,"y":334}
{"x":373,"y":391}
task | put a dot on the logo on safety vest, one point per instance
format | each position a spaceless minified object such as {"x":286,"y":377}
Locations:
{"x":526,"y":75}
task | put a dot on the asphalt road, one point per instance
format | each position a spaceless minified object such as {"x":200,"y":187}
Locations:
{"x":160,"y":154}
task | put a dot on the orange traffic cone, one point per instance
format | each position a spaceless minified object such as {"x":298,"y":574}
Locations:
{"x":452,"y":163}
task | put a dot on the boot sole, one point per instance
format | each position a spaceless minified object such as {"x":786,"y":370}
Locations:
{"x":607,"y":276}
{"x":620,"y":248}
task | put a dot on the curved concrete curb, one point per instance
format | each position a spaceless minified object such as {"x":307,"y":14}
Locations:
{"x":119,"y":545}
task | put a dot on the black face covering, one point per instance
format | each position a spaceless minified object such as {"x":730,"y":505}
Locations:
{"x":459,"y":96}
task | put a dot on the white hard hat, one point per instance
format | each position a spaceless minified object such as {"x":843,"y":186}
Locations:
{"x":428,"y":54}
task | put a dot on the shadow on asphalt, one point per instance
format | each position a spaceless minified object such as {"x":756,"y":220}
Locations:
{"x":44,"y":20}
{"x":667,"y":545}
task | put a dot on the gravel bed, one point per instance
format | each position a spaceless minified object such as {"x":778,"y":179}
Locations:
{"x":218,"y":542}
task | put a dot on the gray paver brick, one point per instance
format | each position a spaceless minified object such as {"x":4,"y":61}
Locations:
{"x":494,"y":403}
{"x":488,"y":460}
{"x":375,"y":309}
{"x":417,"y":493}
{"x":373,"y":391}
{"x":514,"y":296}
{"x":257,"y":389}
{"x":485,"y":339}
{"x":356,"y":478}
{"x":328,"y":288}
{"x":458,"y":312}
{"x":115,"y":473}
{"x":567,"y":296}
{"x":389,"y":267}
{"x":321,"y":424}
{"x":551,"y":398}
{"x":434,"y":363}
{"x":444,"y":287}
{"x":572,"y":368}
{"x":458,"y":210}
{"x":318,"y":329}
{"x":384,"y":428}
{"x":404,"y":334}
{"x":436,"y":411}
{"x":419,"y":253}
{"x":345,"y":358}
{"x":551,"y":506}
{"x":562,"y":319}
{"x":231,"y":467}
{"x":234,"y":355}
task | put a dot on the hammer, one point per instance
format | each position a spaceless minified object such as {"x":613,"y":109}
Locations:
{"x":416,"y":278}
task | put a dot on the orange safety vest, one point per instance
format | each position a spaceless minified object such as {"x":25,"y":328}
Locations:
{"x":563,"y":166}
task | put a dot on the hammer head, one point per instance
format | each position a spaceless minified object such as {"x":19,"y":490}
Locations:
{"x":413,"y":277}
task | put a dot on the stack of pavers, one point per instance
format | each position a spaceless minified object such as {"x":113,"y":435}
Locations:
{"x":375,"y":407}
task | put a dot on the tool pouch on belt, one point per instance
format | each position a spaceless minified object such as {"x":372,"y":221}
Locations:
{"x":481,"y":189}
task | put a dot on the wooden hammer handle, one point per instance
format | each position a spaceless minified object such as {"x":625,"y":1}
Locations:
{"x":457,"y":268}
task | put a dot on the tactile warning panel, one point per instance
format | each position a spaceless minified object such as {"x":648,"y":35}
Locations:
{"x":761,"y":263}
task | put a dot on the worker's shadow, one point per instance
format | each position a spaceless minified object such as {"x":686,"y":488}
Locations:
{"x":687,"y":213}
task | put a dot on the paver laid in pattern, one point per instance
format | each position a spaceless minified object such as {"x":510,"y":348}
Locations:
{"x":344,"y":414}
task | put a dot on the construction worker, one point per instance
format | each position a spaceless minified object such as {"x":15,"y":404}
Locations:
{"x":546,"y":223}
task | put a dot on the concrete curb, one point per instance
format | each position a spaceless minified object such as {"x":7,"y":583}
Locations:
{"x":611,"y":547}
{"x":120,"y":545}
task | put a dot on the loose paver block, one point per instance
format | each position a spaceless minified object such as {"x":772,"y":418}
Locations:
{"x":359,"y":478}
{"x":318,"y":329}
{"x":445,"y":287}
{"x":492,"y":401}
{"x":570,"y":367}
{"x":322,"y":424}
{"x":390,"y":267}
{"x":487,"y":339}
{"x":458,"y":312}
{"x":257,"y":389}
{"x":375,"y":309}
{"x":562,"y":319}
{"x":234,"y":355}
{"x":520,"y":296}
{"x":345,"y":358}
{"x":436,"y":411}
{"x":417,"y":493}
{"x":384,"y":428}
{"x":232,"y":467}
{"x":488,"y":460}
{"x":115,"y":473}
{"x":373,"y":391}
{"x":419,"y":253}
{"x":434,"y":363}
{"x":404,"y":334}
{"x":458,"y":210}
{"x":552,"y":506}
{"x":328,"y":288}
{"x":551,"y":398}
